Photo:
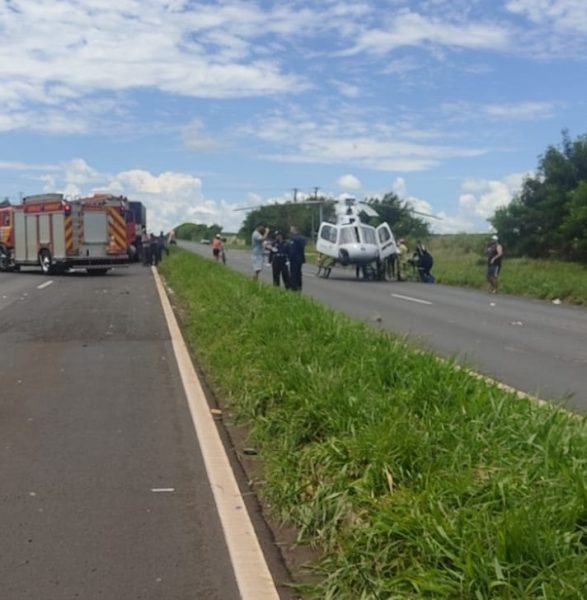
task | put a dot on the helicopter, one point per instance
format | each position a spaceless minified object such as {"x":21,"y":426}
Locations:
{"x":349,"y":241}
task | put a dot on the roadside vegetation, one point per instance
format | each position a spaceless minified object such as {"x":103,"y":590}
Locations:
{"x":414,"y":479}
{"x":460,"y":260}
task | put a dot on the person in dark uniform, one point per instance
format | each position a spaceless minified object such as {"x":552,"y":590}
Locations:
{"x":279,"y":255}
{"x":297,"y":257}
{"x":424,"y":263}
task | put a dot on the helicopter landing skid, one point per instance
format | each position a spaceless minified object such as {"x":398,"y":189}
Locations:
{"x":371,"y":272}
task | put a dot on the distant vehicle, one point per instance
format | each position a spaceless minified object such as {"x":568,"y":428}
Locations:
{"x":206,"y":242}
{"x":57,"y":235}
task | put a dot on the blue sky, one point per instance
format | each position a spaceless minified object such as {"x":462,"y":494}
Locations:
{"x":196,"y":107}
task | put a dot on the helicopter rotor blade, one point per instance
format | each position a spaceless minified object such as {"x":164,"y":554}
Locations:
{"x":370,"y":212}
{"x":252,"y":207}
{"x":425,"y":214}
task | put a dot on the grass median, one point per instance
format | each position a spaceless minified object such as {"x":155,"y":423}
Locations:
{"x":414,"y":479}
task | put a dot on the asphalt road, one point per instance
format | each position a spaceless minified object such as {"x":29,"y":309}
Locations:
{"x":534,"y":346}
{"x":104,"y":493}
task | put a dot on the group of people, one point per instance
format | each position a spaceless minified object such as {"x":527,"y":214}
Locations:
{"x":152,"y":247}
{"x":419,"y":263}
{"x":286,"y":256}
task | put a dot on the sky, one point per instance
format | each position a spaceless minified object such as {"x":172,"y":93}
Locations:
{"x":199,"y":107}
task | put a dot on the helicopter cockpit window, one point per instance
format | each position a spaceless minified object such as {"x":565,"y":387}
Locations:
{"x":328,"y":233}
{"x":368,"y":235}
{"x":384,"y":235}
{"x":348,"y":235}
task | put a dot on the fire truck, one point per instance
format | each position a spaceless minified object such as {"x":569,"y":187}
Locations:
{"x":58,"y":235}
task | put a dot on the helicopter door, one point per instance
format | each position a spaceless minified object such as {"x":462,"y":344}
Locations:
{"x":386,"y":241}
{"x":326,"y":242}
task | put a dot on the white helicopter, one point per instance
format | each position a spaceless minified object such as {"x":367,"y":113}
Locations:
{"x":349,"y":241}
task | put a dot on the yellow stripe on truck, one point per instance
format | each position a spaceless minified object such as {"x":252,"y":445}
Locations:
{"x":68,"y":234}
{"x":116,"y":230}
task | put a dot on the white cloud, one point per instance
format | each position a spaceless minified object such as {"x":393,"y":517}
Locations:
{"x":171,"y":197}
{"x":349,"y":182}
{"x":412,"y":29}
{"x":194,"y":138}
{"x":347,"y":89}
{"x":566,"y":15}
{"x":507,"y":111}
{"x":58,"y":50}
{"x":337,"y":140}
{"x":482,"y":197}
{"x":399,"y":187}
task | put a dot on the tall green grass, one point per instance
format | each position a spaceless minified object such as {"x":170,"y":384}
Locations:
{"x":459,"y":260}
{"x":415,"y":479}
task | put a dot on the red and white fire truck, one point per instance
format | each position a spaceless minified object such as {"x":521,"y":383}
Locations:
{"x":58,"y":235}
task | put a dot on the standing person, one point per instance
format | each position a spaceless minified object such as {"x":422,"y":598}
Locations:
{"x":424,"y":263}
{"x":154,"y":244}
{"x":171,"y":238}
{"x":402,"y":264}
{"x":297,"y":257}
{"x":217,"y":247}
{"x":494,"y":254}
{"x":279,"y":256}
{"x":145,"y":247}
{"x":258,"y":246}
{"x":161,"y":246}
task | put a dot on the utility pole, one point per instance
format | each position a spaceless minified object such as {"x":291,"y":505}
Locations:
{"x":295,"y":194}
{"x":316,"y":188}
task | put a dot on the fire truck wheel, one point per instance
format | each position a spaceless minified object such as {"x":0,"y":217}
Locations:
{"x":45,"y":261}
{"x":4,"y":260}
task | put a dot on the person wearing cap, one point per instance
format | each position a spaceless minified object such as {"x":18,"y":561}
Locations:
{"x":278,"y":256}
{"x":217,"y":246}
{"x":494,"y":253}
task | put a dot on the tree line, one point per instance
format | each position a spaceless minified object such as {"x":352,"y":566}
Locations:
{"x":306,"y":217}
{"x":548,"y":218}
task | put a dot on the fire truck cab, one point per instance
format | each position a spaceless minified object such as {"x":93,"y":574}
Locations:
{"x":59,"y":235}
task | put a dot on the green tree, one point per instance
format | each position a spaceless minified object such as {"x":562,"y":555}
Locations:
{"x":574,"y":227}
{"x":196,"y":231}
{"x":400,"y":217}
{"x":282,"y":216}
{"x":547,"y":217}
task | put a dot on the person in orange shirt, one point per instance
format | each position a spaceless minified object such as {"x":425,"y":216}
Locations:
{"x":217,"y":247}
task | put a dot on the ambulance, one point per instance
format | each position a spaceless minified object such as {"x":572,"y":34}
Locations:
{"x":56,"y":234}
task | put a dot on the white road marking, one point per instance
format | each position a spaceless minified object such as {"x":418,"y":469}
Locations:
{"x":162,"y":490}
{"x":251,"y":572}
{"x":44,"y":285}
{"x":410,"y":299}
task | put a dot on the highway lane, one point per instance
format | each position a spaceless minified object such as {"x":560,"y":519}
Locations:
{"x":104,"y":493}
{"x":532,"y":345}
